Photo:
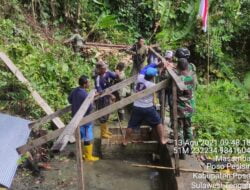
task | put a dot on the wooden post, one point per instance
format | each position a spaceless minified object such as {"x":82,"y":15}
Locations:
{"x":163,"y":94}
{"x":79,"y":162}
{"x":176,"y":152}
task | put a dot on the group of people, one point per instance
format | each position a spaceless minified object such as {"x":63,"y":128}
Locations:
{"x":144,"y":110}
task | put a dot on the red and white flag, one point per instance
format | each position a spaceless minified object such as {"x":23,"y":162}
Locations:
{"x":203,"y":14}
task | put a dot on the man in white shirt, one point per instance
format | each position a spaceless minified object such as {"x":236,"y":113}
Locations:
{"x":144,"y":110}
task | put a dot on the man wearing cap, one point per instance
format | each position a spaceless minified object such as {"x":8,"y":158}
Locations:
{"x":103,"y":80}
{"x":143,"y":108}
{"x":169,"y":55}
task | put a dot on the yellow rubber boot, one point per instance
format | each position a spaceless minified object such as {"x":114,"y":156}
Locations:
{"x":107,"y":130}
{"x":88,"y":151}
{"x":104,"y":131}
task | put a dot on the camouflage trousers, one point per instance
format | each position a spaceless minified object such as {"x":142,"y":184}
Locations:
{"x":185,"y":130}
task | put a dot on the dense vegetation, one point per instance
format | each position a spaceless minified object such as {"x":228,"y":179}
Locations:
{"x":33,"y":36}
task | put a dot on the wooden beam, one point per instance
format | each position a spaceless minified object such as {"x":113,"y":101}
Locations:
{"x":79,"y":162}
{"x":40,"y":101}
{"x":180,"y":84}
{"x":109,"y":109}
{"x":118,"y":86}
{"x":36,"y":124}
{"x":69,"y":130}
{"x":163,"y":97}
{"x":176,"y":153}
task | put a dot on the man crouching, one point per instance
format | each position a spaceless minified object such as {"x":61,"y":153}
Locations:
{"x":143,"y":108}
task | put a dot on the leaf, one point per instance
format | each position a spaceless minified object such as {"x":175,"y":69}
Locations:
{"x":65,"y":68}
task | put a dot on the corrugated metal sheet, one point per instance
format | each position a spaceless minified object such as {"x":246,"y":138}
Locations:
{"x":14,"y":132}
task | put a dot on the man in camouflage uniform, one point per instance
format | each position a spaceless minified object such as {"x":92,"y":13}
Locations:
{"x":185,"y":53}
{"x":76,"y":40}
{"x":139,"y":54}
{"x":185,"y":103}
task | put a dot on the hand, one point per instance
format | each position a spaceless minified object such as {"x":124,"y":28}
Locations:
{"x":113,"y":98}
{"x":97,"y":94}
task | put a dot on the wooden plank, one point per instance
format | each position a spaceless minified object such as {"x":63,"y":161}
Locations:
{"x":40,"y":101}
{"x":180,"y":84}
{"x":118,"y":86}
{"x":176,"y":152}
{"x":109,"y":109}
{"x":69,"y":130}
{"x":36,"y":124}
{"x":79,"y":162}
{"x":163,"y":97}
{"x":170,"y":168}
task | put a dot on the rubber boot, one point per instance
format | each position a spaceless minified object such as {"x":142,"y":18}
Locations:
{"x":104,"y":131}
{"x":87,"y":154}
{"x":107,"y":130}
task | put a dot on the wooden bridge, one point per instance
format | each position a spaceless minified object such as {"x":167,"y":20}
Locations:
{"x":63,"y":134}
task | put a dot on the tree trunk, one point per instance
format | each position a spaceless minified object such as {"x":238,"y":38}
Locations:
{"x":78,"y":11}
{"x":53,"y":10}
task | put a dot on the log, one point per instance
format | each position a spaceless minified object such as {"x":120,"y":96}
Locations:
{"x":109,"y":109}
{"x":180,"y":84}
{"x":40,"y":101}
{"x":106,"y":45}
{"x":118,"y":86}
{"x":69,"y":130}
{"x":169,"y":168}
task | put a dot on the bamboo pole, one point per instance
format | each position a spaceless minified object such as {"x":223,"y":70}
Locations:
{"x":79,"y":162}
{"x":176,"y":152}
{"x":169,"y":168}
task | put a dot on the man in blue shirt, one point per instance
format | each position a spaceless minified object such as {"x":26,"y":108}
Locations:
{"x":103,"y":80}
{"x":76,"y":98}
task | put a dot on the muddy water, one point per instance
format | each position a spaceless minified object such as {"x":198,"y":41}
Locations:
{"x":101,"y":175}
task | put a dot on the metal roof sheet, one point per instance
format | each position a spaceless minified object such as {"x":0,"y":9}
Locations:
{"x":14,"y":132}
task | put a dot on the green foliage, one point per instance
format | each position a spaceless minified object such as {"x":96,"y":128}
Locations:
{"x":177,"y":21}
{"x":52,"y":69}
{"x":223,"y":111}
